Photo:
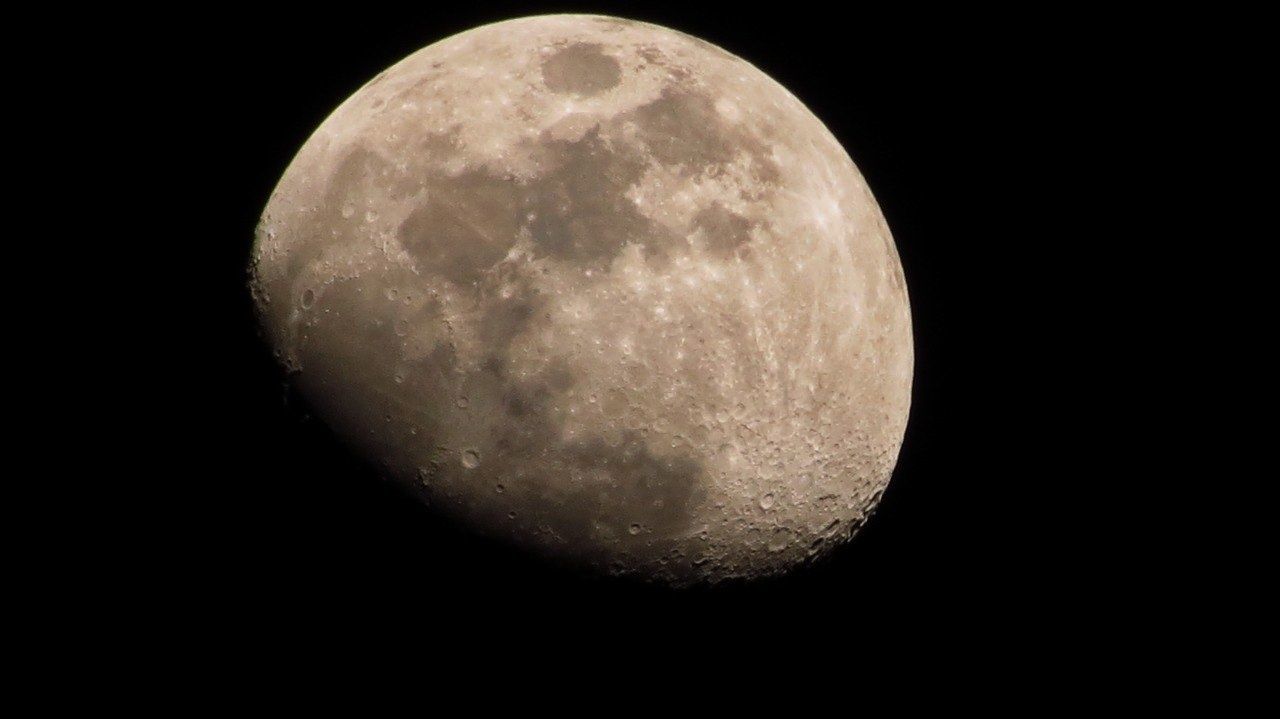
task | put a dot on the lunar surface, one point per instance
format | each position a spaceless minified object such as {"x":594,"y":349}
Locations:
{"x":599,"y":289}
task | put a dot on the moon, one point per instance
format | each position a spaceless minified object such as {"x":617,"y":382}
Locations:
{"x":601,"y":290}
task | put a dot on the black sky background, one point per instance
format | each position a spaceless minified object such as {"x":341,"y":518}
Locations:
{"x":965,"y":129}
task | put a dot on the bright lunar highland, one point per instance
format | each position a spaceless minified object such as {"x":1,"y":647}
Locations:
{"x":601,"y":290}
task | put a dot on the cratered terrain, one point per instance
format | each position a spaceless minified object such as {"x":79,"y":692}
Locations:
{"x":599,"y":289}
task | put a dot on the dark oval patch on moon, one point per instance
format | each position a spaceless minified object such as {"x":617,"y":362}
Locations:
{"x":465,"y":227}
{"x":581,"y":69}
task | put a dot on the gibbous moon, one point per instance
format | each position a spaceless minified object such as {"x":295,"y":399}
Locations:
{"x":599,"y":289}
